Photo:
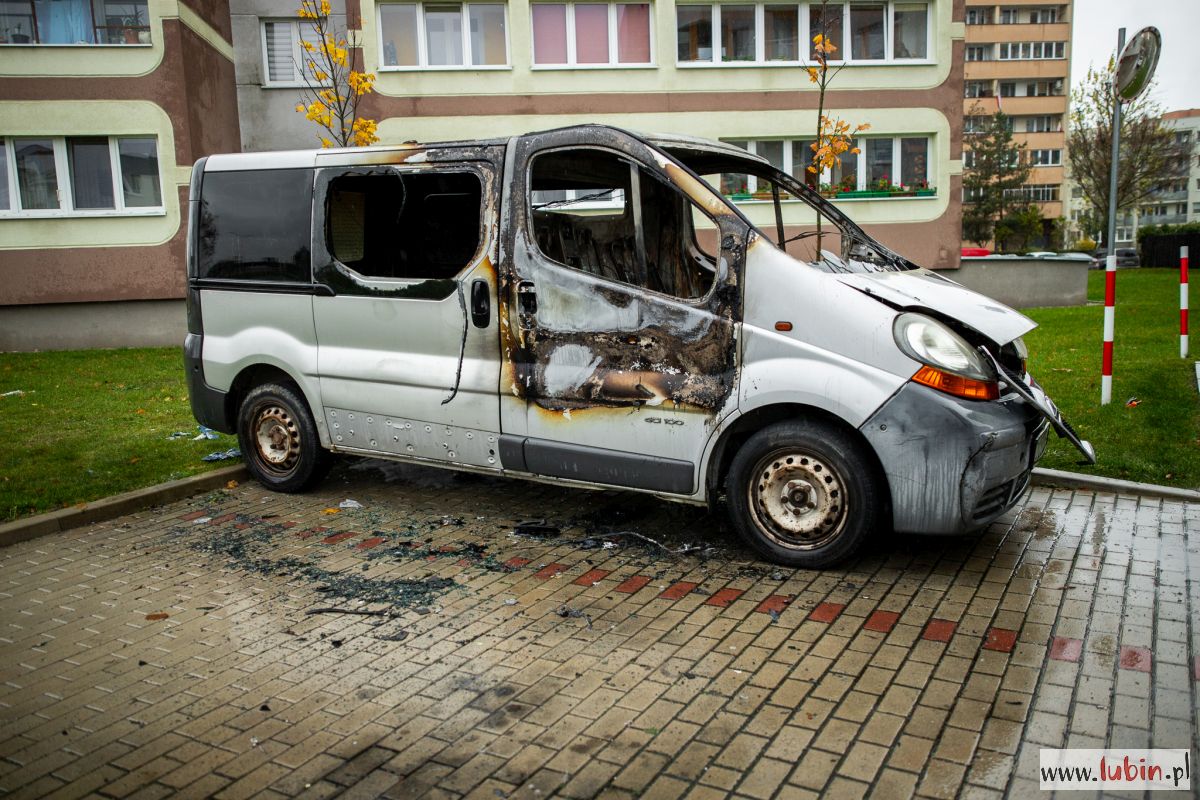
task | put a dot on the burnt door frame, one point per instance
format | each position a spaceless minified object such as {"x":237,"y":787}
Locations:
{"x":636,"y":356}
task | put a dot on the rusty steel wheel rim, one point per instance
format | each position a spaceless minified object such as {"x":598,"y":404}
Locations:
{"x":277,"y":438}
{"x":798,"y":499}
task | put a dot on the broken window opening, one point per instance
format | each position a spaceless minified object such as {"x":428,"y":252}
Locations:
{"x":597,"y":212}
{"x":405,"y":225}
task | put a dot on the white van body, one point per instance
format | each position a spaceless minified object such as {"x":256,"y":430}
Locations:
{"x":581,"y":306}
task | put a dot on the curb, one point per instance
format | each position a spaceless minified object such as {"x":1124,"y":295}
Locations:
{"x":109,"y":507}
{"x":1075,"y":480}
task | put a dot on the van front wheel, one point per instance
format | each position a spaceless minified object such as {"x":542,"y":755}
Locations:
{"x":279,"y":439}
{"x":803,"y":493}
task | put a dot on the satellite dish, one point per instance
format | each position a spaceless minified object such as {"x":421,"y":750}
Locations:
{"x":1135,"y":65}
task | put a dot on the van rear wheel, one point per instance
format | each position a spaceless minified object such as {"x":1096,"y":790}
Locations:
{"x":278,"y":438}
{"x":804,"y":493}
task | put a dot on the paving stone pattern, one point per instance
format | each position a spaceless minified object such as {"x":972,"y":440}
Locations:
{"x":172,"y":651}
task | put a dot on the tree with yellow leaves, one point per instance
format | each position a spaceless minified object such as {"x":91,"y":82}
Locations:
{"x":333,"y":87}
{"x":834,"y":136}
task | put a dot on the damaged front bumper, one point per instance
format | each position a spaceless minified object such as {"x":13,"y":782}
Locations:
{"x":954,"y":465}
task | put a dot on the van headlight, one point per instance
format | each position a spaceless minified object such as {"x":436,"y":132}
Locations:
{"x":951,"y":365}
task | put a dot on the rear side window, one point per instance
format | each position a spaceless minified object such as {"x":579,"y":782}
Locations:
{"x":254,"y":225}
{"x":405,"y":225}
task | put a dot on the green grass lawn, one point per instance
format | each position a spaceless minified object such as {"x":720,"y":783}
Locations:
{"x":1156,"y":441}
{"x":93,"y":423}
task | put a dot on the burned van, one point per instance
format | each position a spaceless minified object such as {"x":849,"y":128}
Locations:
{"x":583,"y":306}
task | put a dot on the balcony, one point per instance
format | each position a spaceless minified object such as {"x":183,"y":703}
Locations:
{"x":1047,"y":32}
{"x":1180,"y":196}
{"x":1045,"y":69}
{"x":1016,"y":106}
{"x":1162,"y":219}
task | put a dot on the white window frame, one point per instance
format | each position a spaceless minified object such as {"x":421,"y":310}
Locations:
{"x":613,"y":44}
{"x":988,"y":51}
{"x":1031,"y":51}
{"x":299,"y":56}
{"x":62,"y":174}
{"x":827,"y":174}
{"x":423,"y":64}
{"x":805,"y":36}
{"x":1053,"y":157}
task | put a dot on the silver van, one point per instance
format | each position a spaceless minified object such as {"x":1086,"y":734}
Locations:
{"x":583,"y":306}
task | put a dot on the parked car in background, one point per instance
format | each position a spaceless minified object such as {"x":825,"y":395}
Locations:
{"x":1126,"y":257}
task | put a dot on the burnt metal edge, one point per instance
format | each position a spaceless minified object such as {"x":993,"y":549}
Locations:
{"x":1096,"y":483}
{"x":106,"y":508}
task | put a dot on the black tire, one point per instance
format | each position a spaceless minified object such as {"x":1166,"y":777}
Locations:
{"x":804,"y":493}
{"x":279,"y":439}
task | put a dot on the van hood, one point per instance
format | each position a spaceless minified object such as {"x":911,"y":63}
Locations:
{"x":919,"y":289}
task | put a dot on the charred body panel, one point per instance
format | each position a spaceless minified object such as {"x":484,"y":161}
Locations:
{"x":621,"y":343}
{"x":953,"y":465}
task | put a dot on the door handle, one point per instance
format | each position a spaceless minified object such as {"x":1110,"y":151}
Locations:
{"x":526,"y":298}
{"x":481,"y":303}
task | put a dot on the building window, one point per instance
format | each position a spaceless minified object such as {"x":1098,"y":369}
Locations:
{"x":1046,"y":123}
{"x":74,"y":22}
{"x":1045,"y":158}
{"x":979,"y":52}
{"x":1034,"y":193}
{"x":1044,"y":88}
{"x":443,"y":36}
{"x":284,"y":59}
{"x":883,"y":164}
{"x":1031,"y":51}
{"x":1008,"y":89}
{"x":979,"y":16}
{"x":79,"y":175}
{"x":591,"y":34}
{"x":977,"y":89}
{"x":769,"y":33}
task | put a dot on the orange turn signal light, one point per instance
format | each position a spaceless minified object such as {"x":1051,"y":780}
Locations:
{"x":783,"y":325}
{"x":957,"y":385}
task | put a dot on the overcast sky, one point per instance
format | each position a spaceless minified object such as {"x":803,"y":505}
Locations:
{"x":1094,"y":38}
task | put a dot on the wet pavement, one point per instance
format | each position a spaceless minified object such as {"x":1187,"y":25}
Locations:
{"x":246,"y":644}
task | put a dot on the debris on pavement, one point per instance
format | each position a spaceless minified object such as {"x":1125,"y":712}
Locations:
{"x":535,"y":528}
{"x":361,"y":612}
{"x":349,"y":503}
{"x":566,"y":612}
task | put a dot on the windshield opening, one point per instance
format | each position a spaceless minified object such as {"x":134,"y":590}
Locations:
{"x":794,"y":217}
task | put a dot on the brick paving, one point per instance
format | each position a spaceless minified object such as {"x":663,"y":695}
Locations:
{"x":172,"y":651}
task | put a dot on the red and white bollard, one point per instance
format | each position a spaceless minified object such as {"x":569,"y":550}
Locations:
{"x":1110,"y":299}
{"x":1183,"y":302}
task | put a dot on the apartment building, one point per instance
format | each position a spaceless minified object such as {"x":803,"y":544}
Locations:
{"x":104,"y":106}
{"x":1176,"y":199}
{"x":731,"y":71}
{"x":1018,"y":62}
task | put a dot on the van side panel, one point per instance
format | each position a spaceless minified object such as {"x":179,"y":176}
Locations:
{"x":242,"y":329}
